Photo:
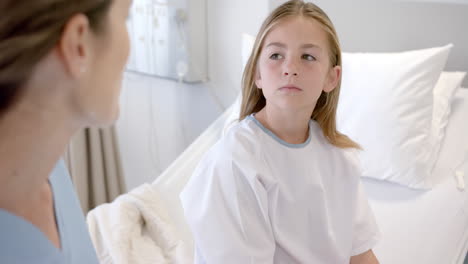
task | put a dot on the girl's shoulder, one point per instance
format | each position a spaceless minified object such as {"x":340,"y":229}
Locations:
{"x":241,"y":144}
{"x":349,"y":161}
{"x":243,"y":137}
{"x":236,"y":155}
{"x":347,"y":158}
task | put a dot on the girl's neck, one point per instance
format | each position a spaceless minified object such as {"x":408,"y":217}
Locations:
{"x":292,"y":126}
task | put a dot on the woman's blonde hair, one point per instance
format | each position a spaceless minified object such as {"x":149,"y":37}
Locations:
{"x":325,"y":109}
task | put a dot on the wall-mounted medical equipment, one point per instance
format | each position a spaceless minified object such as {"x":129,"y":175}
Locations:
{"x":169,"y":39}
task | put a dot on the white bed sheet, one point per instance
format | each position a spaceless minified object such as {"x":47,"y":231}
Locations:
{"x":171,"y":182}
{"x":429,"y":227}
{"x":417,"y":227}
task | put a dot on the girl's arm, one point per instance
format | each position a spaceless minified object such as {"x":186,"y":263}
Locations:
{"x":226,"y":208}
{"x":366,"y":233}
{"x":367,"y":257}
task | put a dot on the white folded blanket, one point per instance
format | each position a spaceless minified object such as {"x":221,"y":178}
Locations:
{"x":136,"y":229}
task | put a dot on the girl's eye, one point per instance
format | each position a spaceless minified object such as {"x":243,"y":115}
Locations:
{"x":308,"y":57}
{"x":276,"y":56}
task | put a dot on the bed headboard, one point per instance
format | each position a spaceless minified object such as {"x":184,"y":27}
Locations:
{"x":391,"y":25}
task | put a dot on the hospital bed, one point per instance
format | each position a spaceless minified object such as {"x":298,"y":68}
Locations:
{"x":417,"y":226}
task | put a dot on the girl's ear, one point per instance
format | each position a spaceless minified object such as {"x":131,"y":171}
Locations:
{"x":258,"y":80}
{"x":333,"y":78}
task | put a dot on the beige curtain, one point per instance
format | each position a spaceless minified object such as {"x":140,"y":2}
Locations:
{"x":94,"y":163}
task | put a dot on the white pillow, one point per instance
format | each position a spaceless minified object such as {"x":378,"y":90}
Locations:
{"x":444,"y":91}
{"x":386,"y":105}
{"x":453,"y":154}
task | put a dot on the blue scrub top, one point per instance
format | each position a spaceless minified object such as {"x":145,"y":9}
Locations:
{"x":23,"y":243}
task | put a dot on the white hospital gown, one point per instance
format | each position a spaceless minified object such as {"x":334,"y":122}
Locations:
{"x":256,"y":199}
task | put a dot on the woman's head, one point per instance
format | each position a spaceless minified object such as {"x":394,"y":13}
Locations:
{"x":295,"y":65}
{"x":78,"y":46}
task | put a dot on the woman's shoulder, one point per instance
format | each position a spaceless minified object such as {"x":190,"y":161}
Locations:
{"x":76,"y":242}
{"x":24,"y":243}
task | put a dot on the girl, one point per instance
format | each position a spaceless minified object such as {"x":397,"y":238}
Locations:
{"x":61,"y":62}
{"x":283,"y":186}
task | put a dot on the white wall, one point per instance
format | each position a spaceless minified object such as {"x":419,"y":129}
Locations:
{"x":227,"y":21}
{"x":384,"y":25}
{"x":397,"y":25}
{"x":158,"y":120}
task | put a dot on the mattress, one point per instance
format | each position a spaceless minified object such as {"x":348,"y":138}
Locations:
{"x":429,"y":227}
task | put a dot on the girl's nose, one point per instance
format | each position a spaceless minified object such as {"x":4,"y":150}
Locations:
{"x":290,"y":68}
{"x":287,"y":73}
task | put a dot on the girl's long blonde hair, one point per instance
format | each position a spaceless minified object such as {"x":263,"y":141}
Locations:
{"x":325,"y":109}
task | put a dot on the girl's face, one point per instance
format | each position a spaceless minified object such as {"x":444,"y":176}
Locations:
{"x":294,"y":66}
